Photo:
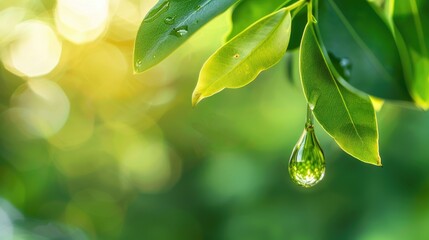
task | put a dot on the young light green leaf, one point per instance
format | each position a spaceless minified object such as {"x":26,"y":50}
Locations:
{"x":354,"y":31}
{"x":249,"y":11}
{"x":410,"y":18}
{"x":169,"y":24}
{"x":347,"y":117}
{"x":240,"y":60}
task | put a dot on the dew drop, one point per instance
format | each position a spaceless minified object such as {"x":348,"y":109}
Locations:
{"x":139,"y":63}
{"x":180,"y":31}
{"x":156,"y":11}
{"x":307,"y":162}
{"x":347,"y":67}
{"x":169,"y":20}
{"x":342,"y":65}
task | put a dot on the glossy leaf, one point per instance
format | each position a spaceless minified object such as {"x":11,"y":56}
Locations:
{"x":411,"y":19}
{"x":240,"y":60}
{"x":299,"y":22}
{"x":348,"y":117}
{"x":249,"y":11}
{"x":169,"y":24}
{"x":353,"y":30}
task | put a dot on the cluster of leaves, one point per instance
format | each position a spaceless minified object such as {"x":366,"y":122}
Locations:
{"x":348,"y":51}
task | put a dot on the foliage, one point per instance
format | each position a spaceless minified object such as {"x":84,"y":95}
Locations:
{"x":350,"y":51}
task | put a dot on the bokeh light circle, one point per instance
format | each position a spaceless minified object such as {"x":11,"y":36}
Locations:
{"x":9,"y":18}
{"x":39,"y":108}
{"x":34,"y":51}
{"x":81,"y":21}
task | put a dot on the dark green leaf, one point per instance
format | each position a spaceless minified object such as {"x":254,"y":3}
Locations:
{"x":353,"y":30}
{"x":411,"y":18}
{"x":348,"y":117}
{"x":299,"y":22}
{"x":169,"y":24}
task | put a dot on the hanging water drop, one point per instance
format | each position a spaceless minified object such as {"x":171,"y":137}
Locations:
{"x":307,"y":162}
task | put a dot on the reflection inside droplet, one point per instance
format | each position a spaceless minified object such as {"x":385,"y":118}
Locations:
{"x":307,"y":162}
{"x":180,"y":31}
{"x":169,"y":20}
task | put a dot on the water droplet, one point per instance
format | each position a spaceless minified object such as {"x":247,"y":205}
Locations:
{"x":307,"y":162}
{"x":156,"y":11}
{"x":139,"y":63}
{"x":198,"y":7}
{"x":180,"y":31}
{"x":347,"y":67}
{"x":169,"y":20}
{"x":342,"y":65}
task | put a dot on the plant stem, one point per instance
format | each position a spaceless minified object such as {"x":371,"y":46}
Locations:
{"x":297,"y":10}
{"x":310,"y":118}
{"x":295,"y":5}
{"x":310,"y":11}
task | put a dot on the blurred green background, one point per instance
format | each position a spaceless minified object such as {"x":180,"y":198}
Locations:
{"x":90,"y":151}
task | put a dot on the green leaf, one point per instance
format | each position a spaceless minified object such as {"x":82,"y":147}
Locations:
{"x":346,"y":116}
{"x":169,"y":24}
{"x":240,"y":60}
{"x":411,"y":19}
{"x":249,"y":11}
{"x":299,"y":22}
{"x":353,"y":30}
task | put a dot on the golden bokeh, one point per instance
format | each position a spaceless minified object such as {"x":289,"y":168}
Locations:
{"x":33,"y":50}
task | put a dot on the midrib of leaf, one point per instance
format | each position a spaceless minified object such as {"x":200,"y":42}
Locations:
{"x":419,"y":27}
{"x":359,"y":40}
{"x":347,"y":108}
{"x":248,"y":55}
{"x":341,"y":96}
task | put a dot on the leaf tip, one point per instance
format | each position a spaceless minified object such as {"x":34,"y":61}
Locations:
{"x":138,"y":66}
{"x":196,"y":98}
{"x":378,"y":161}
{"x":422,"y":105}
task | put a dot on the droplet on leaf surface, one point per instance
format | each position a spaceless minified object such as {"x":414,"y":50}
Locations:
{"x":157,"y":11}
{"x":169,"y":20}
{"x":307,"y":162}
{"x":180,"y":31}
